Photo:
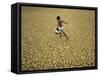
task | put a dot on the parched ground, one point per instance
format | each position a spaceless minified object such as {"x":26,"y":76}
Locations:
{"x":43,"y":49}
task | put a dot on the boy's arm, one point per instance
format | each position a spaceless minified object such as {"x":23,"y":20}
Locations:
{"x":64,"y":22}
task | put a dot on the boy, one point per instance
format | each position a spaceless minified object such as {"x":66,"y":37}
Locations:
{"x":59,"y":28}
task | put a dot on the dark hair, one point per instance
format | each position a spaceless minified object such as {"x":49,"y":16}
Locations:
{"x":58,"y":17}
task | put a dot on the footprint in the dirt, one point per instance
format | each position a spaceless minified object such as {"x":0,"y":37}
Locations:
{"x":50,"y":46}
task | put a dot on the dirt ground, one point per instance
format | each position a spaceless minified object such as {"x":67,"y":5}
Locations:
{"x":43,"y":49}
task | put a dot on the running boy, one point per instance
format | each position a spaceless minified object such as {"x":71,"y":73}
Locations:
{"x":59,"y":28}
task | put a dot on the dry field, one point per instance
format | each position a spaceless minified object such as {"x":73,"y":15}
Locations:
{"x":43,"y":49}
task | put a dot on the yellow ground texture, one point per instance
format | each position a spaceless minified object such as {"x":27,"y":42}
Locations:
{"x":43,"y":49}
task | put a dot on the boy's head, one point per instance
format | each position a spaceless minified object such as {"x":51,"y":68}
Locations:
{"x":58,"y":17}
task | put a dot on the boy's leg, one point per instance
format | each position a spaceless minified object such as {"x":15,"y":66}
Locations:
{"x":61,"y":31}
{"x":65,"y":34}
